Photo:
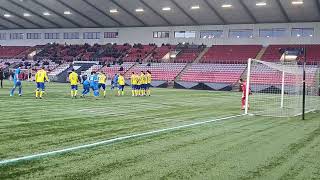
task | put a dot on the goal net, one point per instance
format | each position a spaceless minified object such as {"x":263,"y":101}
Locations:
{"x":276,"y":89}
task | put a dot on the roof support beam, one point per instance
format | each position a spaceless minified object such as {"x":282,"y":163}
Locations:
{"x":248,"y":11}
{"x":318,"y":5}
{"x":57,"y":13}
{"x":215,"y":11}
{"x":81,"y":14}
{"x":35,"y":13}
{"x":21,"y":17}
{"x":154,"y":11}
{"x":283,"y":11}
{"x":184,"y":12}
{"x":4,"y":26}
{"x":128,"y":12}
{"x":104,"y":13}
{"x":12,"y":22}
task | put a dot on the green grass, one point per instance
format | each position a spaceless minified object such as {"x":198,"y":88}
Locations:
{"x":239,"y":148}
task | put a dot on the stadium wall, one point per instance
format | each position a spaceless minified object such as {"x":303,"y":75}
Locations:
{"x":144,"y":35}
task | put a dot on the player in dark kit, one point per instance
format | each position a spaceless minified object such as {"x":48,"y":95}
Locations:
{"x":1,"y":77}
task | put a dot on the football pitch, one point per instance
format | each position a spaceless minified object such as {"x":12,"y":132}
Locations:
{"x":174,"y":134}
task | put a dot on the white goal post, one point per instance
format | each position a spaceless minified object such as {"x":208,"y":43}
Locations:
{"x":276,"y":88}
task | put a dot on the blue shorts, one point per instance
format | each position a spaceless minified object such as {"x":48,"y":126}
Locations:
{"x":134,"y":87}
{"x":144,"y":86}
{"x":17,"y":83}
{"x":87,"y":87}
{"x":114,"y":85}
{"x":148,"y":85}
{"x":40,"y":85}
{"x":121,"y":87}
{"x":103,"y":86}
{"x":74,"y":87}
{"x":94,"y":87}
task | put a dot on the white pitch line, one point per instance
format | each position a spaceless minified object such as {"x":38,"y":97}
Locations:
{"x":66,"y":150}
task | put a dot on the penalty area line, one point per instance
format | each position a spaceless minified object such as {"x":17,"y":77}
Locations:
{"x":109,"y":141}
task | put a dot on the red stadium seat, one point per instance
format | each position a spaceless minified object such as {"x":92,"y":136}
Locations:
{"x":272,"y":52}
{"x":12,"y":51}
{"x":160,"y":71}
{"x":213,"y":73}
{"x":230,"y":53}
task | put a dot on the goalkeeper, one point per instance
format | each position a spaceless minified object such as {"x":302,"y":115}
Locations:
{"x":243,"y":85}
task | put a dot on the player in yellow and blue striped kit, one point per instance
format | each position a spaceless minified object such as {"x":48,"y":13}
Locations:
{"x":149,"y":79}
{"x":138,"y":86}
{"x":143,"y":82}
{"x":41,"y":77}
{"x":74,"y":80}
{"x":121,"y":84}
{"x":102,"y":82}
{"x":134,"y":82}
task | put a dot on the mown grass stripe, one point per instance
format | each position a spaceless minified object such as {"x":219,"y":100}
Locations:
{"x":110,"y":141}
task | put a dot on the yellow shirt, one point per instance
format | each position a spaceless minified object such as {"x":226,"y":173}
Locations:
{"x":143,"y":79}
{"x":41,"y":76}
{"x":102,"y":79}
{"x":138,"y":80}
{"x":121,"y":80}
{"x":134,"y":80}
{"x":149,"y":78}
{"x":73,"y":78}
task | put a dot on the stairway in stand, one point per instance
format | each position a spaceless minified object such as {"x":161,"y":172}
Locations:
{"x":128,"y":71}
{"x":236,"y":85}
{"x":197,"y":60}
{"x":261,"y":52}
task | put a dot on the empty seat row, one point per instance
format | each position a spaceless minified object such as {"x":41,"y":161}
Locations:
{"x":160,"y":71}
{"x":213,"y":73}
{"x":12,"y":51}
{"x":273,"y":53}
{"x":115,"y":69}
{"x":230,"y":53}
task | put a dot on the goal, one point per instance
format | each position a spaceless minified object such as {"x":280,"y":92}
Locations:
{"x":277,"y":88}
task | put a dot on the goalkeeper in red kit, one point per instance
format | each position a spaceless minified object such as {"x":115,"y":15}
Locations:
{"x":243,"y":85}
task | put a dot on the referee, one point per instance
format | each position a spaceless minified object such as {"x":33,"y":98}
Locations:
{"x":1,"y":77}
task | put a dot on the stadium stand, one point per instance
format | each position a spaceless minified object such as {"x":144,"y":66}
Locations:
{"x":160,"y":52}
{"x":138,"y":52}
{"x":3,"y":65}
{"x":272,"y":52}
{"x":215,"y":73}
{"x":59,"y":69}
{"x":266,"y":75}
{"x":7,"y":62}
{"x":49,"y":65}
{"x":62,"y":52}
{"x":110,"y":70}
{"x":222,"y":63}
{"x":24,"y":54}
{"x":92,"y":68}
{"x":113,"y":52}
{"x":12,"y":51}
{"x":187,"y":53}
{"x":231,"y":53}
{"x":160,"y":71}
